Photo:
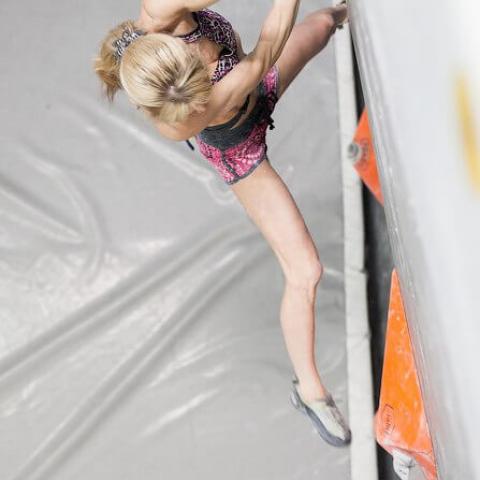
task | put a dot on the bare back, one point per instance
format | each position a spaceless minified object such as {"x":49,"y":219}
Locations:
{"x":241,"y":80}
{"x":209,"y":52}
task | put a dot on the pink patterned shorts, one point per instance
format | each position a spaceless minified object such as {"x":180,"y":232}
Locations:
{"x":236,"y":152}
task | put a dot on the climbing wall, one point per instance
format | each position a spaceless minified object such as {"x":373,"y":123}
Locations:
{"x":420,"y":75}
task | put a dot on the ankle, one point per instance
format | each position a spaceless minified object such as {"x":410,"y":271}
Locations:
{"x":309,"y":392}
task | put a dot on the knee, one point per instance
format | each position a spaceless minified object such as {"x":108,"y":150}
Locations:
{"x":305,"y":275}
{"x":328,"y":20}
{"x":324,"y":19}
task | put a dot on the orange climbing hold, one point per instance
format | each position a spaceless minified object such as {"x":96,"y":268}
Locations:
{"x":365,"y":163}
{"x":400,"y":422}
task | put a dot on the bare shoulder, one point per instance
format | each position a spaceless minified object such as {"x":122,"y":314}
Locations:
{"x":191,"y":126}
{"x":177,"y":132}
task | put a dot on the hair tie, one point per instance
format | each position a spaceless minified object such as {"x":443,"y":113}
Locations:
{"x":173,"y":94}
{"x":124,"y":41}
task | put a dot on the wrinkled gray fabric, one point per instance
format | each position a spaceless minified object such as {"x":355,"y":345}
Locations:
{"x":139,"y":326}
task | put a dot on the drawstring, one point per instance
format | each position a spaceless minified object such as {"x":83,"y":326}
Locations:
{"x":189,"y":143}
{"x":271,"y":124}
{"x":273,"y":97}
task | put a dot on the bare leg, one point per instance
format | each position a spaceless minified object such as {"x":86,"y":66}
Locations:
{"x":272,"y":208}
{"x":270,"y":205}
{"x":307,"y":39}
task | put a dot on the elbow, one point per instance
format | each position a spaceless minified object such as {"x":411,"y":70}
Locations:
{"x":261,"y":59}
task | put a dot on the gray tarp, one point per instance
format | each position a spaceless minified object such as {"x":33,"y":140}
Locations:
{"x":139,"y":326}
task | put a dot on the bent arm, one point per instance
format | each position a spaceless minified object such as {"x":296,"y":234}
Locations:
{"x":249,"y":72}
{"x":274,"y":35}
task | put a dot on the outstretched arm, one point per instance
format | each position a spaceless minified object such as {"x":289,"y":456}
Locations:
{"x":274,"y":35}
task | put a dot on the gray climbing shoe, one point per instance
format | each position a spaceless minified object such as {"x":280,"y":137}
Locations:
{"x":326,"y":417}
{"x":339,"y":26}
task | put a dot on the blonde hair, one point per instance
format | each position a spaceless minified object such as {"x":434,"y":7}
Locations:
{"x":158,"y":72}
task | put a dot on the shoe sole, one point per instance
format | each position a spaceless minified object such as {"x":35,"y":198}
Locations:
{"x":318,"y":425}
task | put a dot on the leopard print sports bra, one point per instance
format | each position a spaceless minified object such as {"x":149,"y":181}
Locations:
{"x":218,"y":29}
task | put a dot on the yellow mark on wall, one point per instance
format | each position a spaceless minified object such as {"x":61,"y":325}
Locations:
{"x":467,"y":129}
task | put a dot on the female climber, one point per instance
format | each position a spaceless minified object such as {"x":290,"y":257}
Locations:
{"x":183,"y":65}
